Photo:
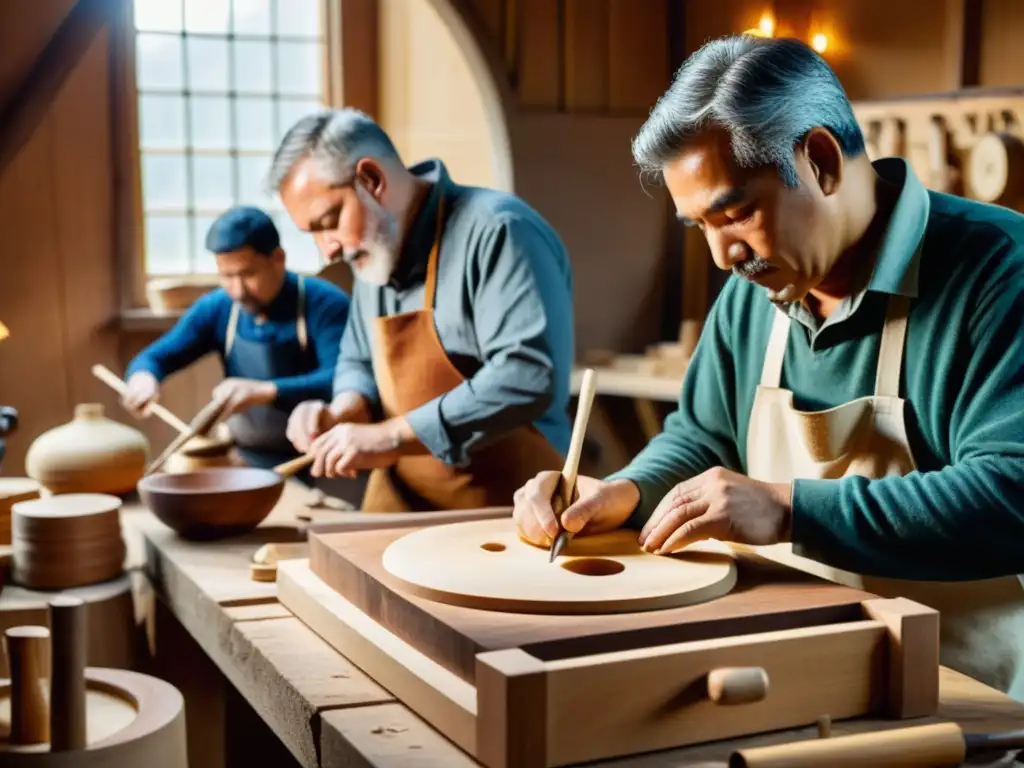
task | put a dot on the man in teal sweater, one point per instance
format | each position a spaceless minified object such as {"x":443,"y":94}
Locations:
{"x":855,"y":406}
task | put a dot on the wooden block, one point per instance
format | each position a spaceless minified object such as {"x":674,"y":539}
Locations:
{"x":512,"y":715}
{"x":913,"y":655}
{"x":763,"y":600}
{"x":525,"y":707}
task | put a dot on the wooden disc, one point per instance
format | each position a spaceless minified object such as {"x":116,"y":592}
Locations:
{"x":995,"y":167}
{"x":484,"y":564}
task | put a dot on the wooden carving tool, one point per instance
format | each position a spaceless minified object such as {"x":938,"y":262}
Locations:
{"x":567,"y":485}
{"x":201,"y":424}
{"x":924,"y":746}
{"x":113,"y":381}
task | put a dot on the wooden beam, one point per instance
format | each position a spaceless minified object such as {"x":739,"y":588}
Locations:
{"x":356,"y":25}
{"x":29,"y":102}
{"x":963,"y":29}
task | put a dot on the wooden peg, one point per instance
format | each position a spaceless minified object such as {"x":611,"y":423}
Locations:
{"x":737,"y":685}
{"x":67,"y":683}
{"x":26,"y":656}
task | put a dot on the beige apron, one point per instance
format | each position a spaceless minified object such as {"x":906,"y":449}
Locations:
{"x":982,"y":622}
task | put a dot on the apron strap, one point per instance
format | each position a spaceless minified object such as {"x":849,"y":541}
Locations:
{"x":890,"y":349}
{"x":232,"y":329}
{"x":771,"y":373}
{"x":430,"y":290}
{"x":300,"y":320}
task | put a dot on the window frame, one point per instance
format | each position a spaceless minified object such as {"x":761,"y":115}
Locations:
{"x":127,"y":152}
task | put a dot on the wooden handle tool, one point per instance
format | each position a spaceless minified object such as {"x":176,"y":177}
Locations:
{"x":925,"y":746}
{"x":113,"y":381}
{"x":567,"y":485}
{"x":289,"y":468}
{"x":26,"y":656}
{"x":67,"y":680}
{"x":200,"y":425}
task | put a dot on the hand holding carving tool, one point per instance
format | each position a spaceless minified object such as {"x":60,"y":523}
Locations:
{"x":567,"y":485}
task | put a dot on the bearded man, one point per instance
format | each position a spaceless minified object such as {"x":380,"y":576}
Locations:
{"x":452,"y":383}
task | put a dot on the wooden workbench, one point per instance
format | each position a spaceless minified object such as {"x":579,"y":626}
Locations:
{"x":323,"y":709}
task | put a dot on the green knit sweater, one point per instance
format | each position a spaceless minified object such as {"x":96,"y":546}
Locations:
{"x":961,"y":514}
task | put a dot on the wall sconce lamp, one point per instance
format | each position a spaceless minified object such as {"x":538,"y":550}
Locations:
{"x":766,"y":28}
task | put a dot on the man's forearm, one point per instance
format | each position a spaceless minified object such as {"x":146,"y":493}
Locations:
{"x":351,"y":407}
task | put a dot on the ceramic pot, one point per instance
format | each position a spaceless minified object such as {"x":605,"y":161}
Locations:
{"x":90,"y":454}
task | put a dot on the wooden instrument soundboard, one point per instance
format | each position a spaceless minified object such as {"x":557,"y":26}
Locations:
{"x":778,"y":649}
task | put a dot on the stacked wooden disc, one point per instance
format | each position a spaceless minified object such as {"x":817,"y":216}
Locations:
{"x":66,"y":541}
{"x":13,"y":490}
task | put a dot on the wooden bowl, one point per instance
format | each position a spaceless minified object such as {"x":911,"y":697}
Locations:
{"x":175,"y":294}
{"x":212,"y":503}
{"x":132,"y":721}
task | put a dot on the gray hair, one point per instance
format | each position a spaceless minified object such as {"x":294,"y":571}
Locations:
{"x":766,"y":93}
{"x":339,"y":138}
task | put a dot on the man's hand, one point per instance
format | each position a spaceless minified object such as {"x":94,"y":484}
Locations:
{"x":241,"y":394}
{"x":143,"y":390}
{"x":719,"y":504}
{"x":600,"y":506}
{"x":307,"y":422}
{"x":347,"y":448}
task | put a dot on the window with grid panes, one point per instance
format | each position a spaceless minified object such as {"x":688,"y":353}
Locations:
{"x":219,"y":82}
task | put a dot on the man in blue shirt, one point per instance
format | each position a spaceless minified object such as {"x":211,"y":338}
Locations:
{"x":277,"y":334}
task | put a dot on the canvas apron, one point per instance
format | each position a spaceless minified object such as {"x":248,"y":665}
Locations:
{"x":259,"y":431}
{"x":411,"y":368}
{"x":981,"y":622}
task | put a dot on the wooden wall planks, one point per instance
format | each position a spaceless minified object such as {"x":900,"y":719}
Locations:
{"x":595,"y":56}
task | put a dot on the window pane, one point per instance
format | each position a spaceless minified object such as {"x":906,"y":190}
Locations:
{"x":163,"y":182}
{"x":167,"y":245}
{"x":212,"y":184}
{"x":158,"y":15}
{"x":210,"y":126}
{"x":162,"y":122}
{"x":299,"y":68}
{"x":254,"y":124}
{"x":204,"y":262}
{"x":158,"y":61}
{"x":207,"y":64}
{"x":290,"y":111}
{"x":207,"y":16}
{"x":252,"y":174}
{"x":298,"y":17}
{"x":252,"y":17}
{"x":252,"y":66}
{"x":300,"y":251}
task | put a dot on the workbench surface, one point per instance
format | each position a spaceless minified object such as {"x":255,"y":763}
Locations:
{"x":327,"y":712}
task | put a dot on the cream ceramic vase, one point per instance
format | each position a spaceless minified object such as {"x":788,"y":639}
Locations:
{"x":89,"y":454}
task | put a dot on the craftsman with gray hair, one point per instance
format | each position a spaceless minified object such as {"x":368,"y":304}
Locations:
{"x":452,"y":383}
{"x":855,"y":405}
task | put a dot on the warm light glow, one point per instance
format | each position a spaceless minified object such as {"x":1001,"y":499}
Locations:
{"x":4,"y":333}
{"x":819,"y":42}
{"x":767,"y":25}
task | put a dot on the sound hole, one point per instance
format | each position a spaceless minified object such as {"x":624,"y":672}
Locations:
{"x":493,"y":546}
{"x":594,"y":566}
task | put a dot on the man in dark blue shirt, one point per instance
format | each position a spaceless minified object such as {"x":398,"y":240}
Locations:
{"x":277,"y":333}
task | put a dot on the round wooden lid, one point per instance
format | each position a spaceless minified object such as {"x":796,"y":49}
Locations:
{"x":994,"y":166}
{"x":484,"y":564}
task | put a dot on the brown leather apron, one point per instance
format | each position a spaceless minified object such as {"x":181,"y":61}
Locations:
{"x":981,"y":622}
{"x":411,"y":368}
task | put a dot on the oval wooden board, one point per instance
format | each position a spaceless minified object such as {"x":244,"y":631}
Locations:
{"x":484,"y":564}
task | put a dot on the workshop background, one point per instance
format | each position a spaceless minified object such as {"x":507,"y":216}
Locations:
{"x":115,"y":153}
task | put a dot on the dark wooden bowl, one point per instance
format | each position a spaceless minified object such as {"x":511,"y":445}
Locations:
{"x":212,"y":503}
